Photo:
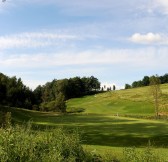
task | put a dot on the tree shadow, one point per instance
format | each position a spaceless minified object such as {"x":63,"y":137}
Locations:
{"x":111,"y":131}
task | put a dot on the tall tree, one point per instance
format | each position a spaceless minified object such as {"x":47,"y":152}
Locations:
{"x":114,"y":87}
{"x":156,"y":92}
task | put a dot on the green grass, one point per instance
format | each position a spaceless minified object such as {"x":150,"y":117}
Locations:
{"x":104,"y":130}
{"x":118,"y":151}
{"x":110,"y":120}
{"x":135,"y":102}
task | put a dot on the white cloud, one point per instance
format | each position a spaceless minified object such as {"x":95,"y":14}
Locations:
{"x":132,"y":57}
{"x":149,"y":38}
{"x":33,"y":40}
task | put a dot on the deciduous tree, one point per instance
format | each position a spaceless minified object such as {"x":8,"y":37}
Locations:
{"x":156,"y":92}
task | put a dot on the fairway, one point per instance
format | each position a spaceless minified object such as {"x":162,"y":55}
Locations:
{"x":131,"y":102}
{"x":112,"y":131}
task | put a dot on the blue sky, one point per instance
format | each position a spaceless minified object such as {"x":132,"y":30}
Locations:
{"x":116,"y":41}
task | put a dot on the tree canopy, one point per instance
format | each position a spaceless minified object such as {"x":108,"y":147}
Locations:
{"x":14,"y":93}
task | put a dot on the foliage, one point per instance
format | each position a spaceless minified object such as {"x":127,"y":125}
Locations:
{"x":127,"y":86}
{"x":60,"y":103}
{"x":69,"y":88}
{"x":147,"y":155}
{"x":14,"y":93}
{"x":21,"y":143}
{"x":5,"y":119}
{"x":146,"y":82}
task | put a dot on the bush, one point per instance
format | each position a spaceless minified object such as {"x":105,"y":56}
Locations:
{"x":76,"y":110}
{"x":21,"y":143}
{"x":5,"y":121}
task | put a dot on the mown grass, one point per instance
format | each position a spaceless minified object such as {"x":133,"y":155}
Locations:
{"x":104,"y":130}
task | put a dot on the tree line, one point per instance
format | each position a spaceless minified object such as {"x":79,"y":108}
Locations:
{"x":146,"y":81}
{"x":59,"y":91}
{"x":15,"y":94}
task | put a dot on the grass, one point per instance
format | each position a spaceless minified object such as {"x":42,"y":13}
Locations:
{"x":135,"y":102}
{"x":104,"y":130}
{"x":118,"y":152}
{"x":108,"y":121}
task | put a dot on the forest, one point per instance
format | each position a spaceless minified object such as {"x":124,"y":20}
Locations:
{"x":14,"y":93}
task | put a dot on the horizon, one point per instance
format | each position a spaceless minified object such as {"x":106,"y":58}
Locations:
{"x":115,"y":42}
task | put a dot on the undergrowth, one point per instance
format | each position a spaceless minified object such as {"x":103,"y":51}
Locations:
{"x":22,"y":144}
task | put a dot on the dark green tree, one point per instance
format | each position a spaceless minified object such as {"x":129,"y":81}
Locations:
{"x":145,"y":81}
{"x":127,"y":86}
{"x":60,"y":103}
{"x":38,"y":94}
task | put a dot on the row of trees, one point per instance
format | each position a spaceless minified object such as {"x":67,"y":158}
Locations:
{"x":146,"y":82}
{"x":14,"y":93}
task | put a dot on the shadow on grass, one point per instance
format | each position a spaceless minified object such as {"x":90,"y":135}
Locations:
{"x":100,"y":129}
{"x":105,"y":131}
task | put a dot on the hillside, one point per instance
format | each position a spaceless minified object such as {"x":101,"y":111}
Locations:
{"x":132,"y":102}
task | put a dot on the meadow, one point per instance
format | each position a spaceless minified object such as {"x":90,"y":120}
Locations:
{"x":109,"y":122}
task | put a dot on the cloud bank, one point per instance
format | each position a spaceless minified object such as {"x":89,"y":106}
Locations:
{"x":132,"y":57}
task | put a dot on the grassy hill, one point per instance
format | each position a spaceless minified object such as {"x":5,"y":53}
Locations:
{"x":137,"y":101}
{"x":119,"y":119}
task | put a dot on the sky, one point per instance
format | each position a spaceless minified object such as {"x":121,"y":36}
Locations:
{"x":117,"y":42}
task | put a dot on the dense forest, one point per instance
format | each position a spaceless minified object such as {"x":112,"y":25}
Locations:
{"x":15,"y":94}
{"x":146,"y":81}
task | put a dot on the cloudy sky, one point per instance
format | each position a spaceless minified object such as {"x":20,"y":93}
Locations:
{"x":116,"y":41}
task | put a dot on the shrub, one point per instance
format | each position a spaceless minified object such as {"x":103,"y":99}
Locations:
{"x":5,"y":121}
{"x":21,"y":143}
